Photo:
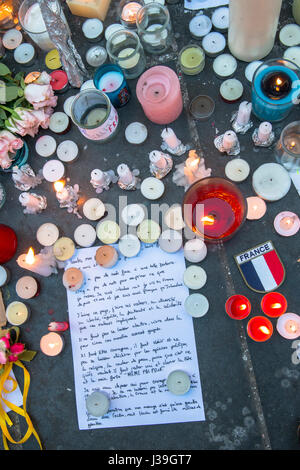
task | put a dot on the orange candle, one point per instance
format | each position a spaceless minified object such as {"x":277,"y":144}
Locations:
{"x":51,"y":344}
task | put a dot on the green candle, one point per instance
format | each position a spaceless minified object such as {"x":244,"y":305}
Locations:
{"x":296,"y":11}
{"x":192,"y":59}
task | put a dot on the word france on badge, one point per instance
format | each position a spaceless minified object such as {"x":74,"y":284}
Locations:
{"x":261,"y":267}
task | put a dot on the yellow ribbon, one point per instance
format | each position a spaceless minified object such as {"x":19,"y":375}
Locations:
{"x":4,"y":418}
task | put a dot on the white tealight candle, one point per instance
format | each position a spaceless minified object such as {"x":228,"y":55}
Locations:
{"x":148,"y":231}
{"x":231,"y":90}
{"x":53,"y":170}
{"x":196,"y":305}
{"x":132,"y":58}
{"x":108,"y":232}
{"x":59,"y":122}
{"x":288,"y":325}
{"x":85,"y":235}
{"x":293,"y":54}
{"x":194,"y":277}
{"x":200,"y":26}
{"x":45,"y":146}
{"x":67,"y":151}
{"x":237,"y":170}
{"x":92,"y":29}
{"x":24,"y":54}
{"x":12,"y":39}
{"x":271,"y":181}
{"x":287,"y":223}
{"x":4,"y":276}
{"x":129,"y":245}
{"x":256,"y":208}
{"x":68,"y":104}
{"x":96,"y":56}
{"x":170,"y":241}
{"x":17,"y":313}
{"x":173,"y":217}
{"x":224,"y":65}
{"x":154,"y":39}
{"x":213,"y":44}
{"x":289,"y":35}
{"x":195,"y":250}
{"x":251,"y":69}
{"x":178,"y":382}
{"x":152,"y":188}
{"x":220,"y":18}
{"x":93,"y":209}
{"x":136,"y":133}
{"x":47,"y":234}
{"x":97,"y":404}
{"x":88,"y":85}
{"x":133,"y":215}
{"x":113,"y":28}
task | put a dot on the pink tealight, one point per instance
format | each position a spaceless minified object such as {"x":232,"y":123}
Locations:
{"x":288,"y":325}
{"x":287,"y":223}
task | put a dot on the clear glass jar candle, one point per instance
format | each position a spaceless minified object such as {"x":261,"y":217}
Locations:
{"x":31,"y":20}
{"x":124,"y":49}
{"x":128,"y":11}
{"x":288,"y":147}
{"x":154,"y":28}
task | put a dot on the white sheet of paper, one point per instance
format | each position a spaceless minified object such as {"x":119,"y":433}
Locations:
{"x":199,"y":4}
{"x":14,"y":397}
{"x":295,"y":176}
{"x":129,"y":330}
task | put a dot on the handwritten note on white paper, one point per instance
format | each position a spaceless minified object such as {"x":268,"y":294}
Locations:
{"x":201,"y":4}
{"x":129,"y":330}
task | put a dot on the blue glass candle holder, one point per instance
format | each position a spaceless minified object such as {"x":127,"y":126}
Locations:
{"x":275,"y":90}
{"x":110,"y":79}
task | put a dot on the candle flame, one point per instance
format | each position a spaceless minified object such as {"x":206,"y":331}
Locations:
{"x":30,"y":256}
{"x":243,"y":307}
{"x":195,"y":163}
{"x":276,"y":305}
{"x":59,"y":186}
{"x":208,"y":220}
{"x":278,"y":81}
{"x":264,"y":330}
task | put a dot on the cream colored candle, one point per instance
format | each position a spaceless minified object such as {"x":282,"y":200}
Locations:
{"x":17,"y":313}
{"x":252,"y":28}
{"x":89,"y":8}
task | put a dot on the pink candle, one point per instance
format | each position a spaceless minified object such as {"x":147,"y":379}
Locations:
{"x":158,"y":91}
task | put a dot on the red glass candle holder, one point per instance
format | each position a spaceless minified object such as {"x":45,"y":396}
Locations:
{"x":238,"y":307}
{"x":274,"y":304}
{"x":8,"y":243}
{"x":260,"y":328}
{"x":214,"y":208}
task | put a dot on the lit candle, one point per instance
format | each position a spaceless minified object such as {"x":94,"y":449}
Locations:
{"x":287,"y":224}
{"x":238,"y":307}
{"x":274,"y":304}
{"x":129,"y":12}
{"x":38,"y":264}
{"x":260,"y":329}
{"x":51,"y":344}
{"x":62,"y":193}
{"x":256,"y":208}
{"x":288,"y":325}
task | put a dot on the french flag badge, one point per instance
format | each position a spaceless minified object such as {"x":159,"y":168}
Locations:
{"x":261,"y":267}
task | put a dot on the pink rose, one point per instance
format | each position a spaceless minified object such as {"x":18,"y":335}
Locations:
{"x":4,"y":146}
{"x":4,"y":343}
{"x":16,"y":349}
{"x":3,"y":358}
{"x":5,"y":161}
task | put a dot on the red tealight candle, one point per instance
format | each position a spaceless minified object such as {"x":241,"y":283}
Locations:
{"x":238,"y":307}
{"x":274,"y":304}
{"x":214,"y":208}
{"x":259,"y":329}
{"x":59,"y":81}
{"x":8,"y":243}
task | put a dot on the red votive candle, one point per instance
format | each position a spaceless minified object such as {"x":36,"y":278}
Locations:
{"x":274,"y":304}
{"x":214,"y":208}
{"x":59,"y":81}
{"x":238,"y":307}
{"x":8,"y":243}
{"x":259,"y":328}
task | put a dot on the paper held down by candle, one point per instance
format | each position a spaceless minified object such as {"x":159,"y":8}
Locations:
{"x":159,"y":322}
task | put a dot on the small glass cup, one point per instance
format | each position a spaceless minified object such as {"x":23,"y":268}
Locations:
{"x":32,"y":22}
{"x":127,"y":12}
{"x":124,"y":49}
{"x":95,"y":116}
{"x":287,"y":150}
{"x":154,"y":28}
{"x":8,"y":15}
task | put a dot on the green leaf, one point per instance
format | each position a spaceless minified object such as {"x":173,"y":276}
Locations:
{"x":4,"y":70}
{"x":2,"y":114}
{"x":27,"y":355}
{"x":20,"y":92}
{"x":11,"y":93}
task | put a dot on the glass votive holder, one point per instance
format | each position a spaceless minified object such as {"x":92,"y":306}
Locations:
{"x":128,"y":11}
{"x":124,"y":48}
{"x":31,"y":20}
{"x":8,"y":15}
{"x":275,"y":89}
{"x":214,"y":208}
{"x":94,"y":115}
{"x":287,"y":150}
{"x":154,"y":28}
{"x":110,"y":79}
